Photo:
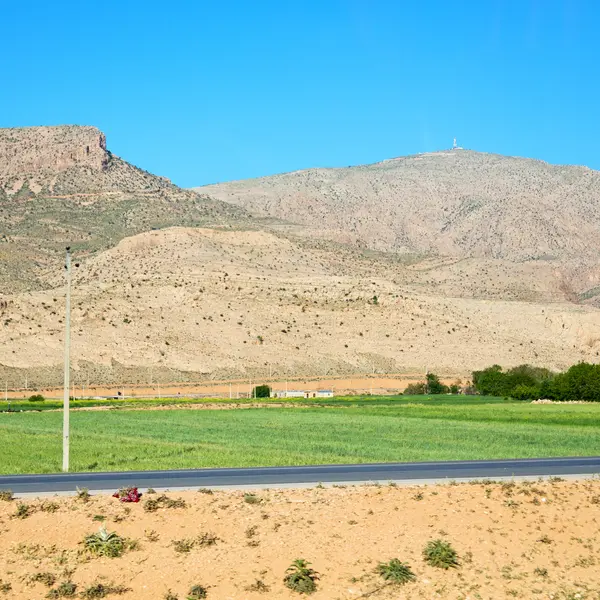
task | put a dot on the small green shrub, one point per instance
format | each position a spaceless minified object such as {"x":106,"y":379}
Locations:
{"x":105,"y":543}
{"x":207,"y":491}
{"x":151,"y":535}
{"x":207,"y":539}
{"x":251,"y":498}
{"x":36,"y":398}
{"x":6,"y":495}
{"x":301,"y":578}
{"x":258,"y":586}
{"x":170,"y":596}
{"x":23,"y":511}
{"x":415,"y":389}
{"x":49,"y":506}
{"x":5,"y":586}
{"x":66,"y":589}
{"x":83,"y":494}
{"x":183,"y":546}
{"x":439,"y":553}
{"x":396,"y":571}
{"x":48,"y":579}
{"x":197,"y":592}
{"x":163,"y":501}
{"x":101,"y":590}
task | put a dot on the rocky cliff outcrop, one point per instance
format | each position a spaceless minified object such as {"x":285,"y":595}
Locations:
{"x":29,"y":150}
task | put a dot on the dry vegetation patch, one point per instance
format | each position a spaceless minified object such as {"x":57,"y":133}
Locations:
{"x":485,"y":540}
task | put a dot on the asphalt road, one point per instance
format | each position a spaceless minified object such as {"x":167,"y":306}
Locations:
{"x":306,"y":475}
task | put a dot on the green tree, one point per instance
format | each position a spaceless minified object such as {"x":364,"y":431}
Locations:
{"x":580,"y":382}
{"x":526,"y":392}
{"x":261,"y":391}
{"x":415,"y":389}
{"x":434,"y":385}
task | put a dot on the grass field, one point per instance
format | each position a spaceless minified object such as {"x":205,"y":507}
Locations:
{"x":336,"y":431}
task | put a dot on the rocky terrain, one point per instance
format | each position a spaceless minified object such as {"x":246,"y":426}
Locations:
{"x":60,"y":186}
{"x":374,"y":269}
{"x":453,"y":203}
{"x":190,"y":303}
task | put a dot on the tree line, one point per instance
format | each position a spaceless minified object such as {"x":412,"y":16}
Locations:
{"x":525,"y":382}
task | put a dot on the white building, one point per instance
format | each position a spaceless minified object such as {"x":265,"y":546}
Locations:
{"x":288,"y":394}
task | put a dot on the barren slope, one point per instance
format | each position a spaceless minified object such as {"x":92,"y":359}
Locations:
{"x":458,"y":203}
{"x":60,"y":186}
{"x":200,"y":303}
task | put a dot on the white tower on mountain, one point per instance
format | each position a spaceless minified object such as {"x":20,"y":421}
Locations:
{"x":455,"y":146}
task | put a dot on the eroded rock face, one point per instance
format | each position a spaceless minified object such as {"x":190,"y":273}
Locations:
{"x":31,"y":149}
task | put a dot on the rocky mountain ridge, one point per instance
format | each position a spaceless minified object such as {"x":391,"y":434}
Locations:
{"x":452,"y":203}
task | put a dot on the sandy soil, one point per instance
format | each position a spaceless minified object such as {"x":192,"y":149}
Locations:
{"x":525,"y":540}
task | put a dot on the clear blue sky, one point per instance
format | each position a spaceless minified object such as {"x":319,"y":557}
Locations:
{"x":205,"y":91}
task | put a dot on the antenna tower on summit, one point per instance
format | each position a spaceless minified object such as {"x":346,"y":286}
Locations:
{"x":455,"y":146}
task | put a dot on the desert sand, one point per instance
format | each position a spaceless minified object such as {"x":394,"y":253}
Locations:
{"x":514,"y":539}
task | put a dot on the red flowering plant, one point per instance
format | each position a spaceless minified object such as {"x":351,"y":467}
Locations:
{"x":128,"y":494}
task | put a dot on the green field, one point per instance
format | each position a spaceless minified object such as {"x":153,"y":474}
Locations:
{"x":337,"y":431}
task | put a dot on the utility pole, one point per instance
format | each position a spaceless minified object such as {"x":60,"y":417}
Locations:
{"x":65,"y":465}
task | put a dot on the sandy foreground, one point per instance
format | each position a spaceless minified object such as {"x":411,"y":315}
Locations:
{"x":522,"y":539}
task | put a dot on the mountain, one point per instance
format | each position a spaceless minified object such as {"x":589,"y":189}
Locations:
{"x":454,"y":203}
{"x":193,"y":304}
{"x":60,"y":186}
{"x":450,"y":261}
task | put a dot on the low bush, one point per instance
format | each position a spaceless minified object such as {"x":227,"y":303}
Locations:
{"x":36,"y":398}
{"x":47,"y":579}
{"x":23,"y":511}
{"x":197,"y":592}
{"x":396,"y":571}
{"x":83,"y":494}
{"x":67,"y":589}
{"x":258,"y":586}
{"x":301,"y":578}
{"x":101,"y":590}
{"x":440,"y":554}
{"x":109,"y":544}
{"x":163,"y":501}
{"x":414,"y":389}
{"x":6,"y":495}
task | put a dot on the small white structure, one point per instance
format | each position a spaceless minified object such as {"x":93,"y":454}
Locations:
{"x":455,"y":146}
{"x":288,"y":394}
{"x":302,"y":394}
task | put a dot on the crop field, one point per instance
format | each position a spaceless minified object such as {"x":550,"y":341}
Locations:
{"x":337,"y":431}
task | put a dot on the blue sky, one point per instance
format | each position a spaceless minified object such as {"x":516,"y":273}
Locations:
{"x":203,"y":91}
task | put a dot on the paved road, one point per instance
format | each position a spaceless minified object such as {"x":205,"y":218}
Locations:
{"x":290,"y":476}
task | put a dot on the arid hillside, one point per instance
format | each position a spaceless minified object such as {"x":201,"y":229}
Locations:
{"x":453,"y":203}
{"x":450,"y":261}
{"x":186,"y":303}
{"x":60,"y":186}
